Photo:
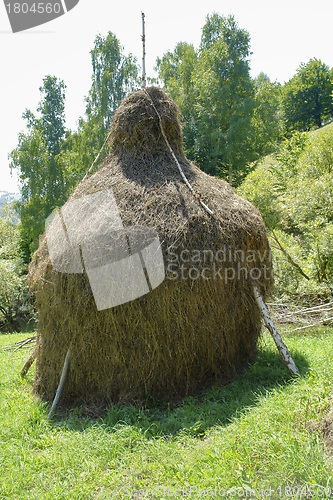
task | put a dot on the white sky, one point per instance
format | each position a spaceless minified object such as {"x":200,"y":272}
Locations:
{"x":283,"y":34}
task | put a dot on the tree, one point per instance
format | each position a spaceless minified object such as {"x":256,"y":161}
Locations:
{"x":224,"y":99}
{"x":35,"y":158}
{"x":52,"y":110}
{"x":293,"y":191}
{"x":213,"y":89}
{"x":13,"y":286}
{"x":307,"y":97}
{"x":267,"y":116}
{"x":113,"y":76}
{"x":176,"y":70}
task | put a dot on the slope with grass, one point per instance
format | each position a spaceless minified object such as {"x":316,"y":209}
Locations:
{"x":293,"y":190}
{"x":255,"y":435}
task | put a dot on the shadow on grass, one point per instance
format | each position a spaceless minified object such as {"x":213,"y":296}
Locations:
{"x":195,"y":415}
{"x":18,"y":326}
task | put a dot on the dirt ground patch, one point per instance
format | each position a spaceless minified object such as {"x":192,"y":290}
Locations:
{"x":325,"y":427}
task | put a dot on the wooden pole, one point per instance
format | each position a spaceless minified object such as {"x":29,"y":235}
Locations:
{"x":61,"y":385}
{"x":29,"y":362}
{"x":282,"y":348}
{"x":143,"y":38}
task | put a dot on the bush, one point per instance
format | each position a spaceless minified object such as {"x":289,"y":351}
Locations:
{"x":294,"y":192}
{"x":14,"y":300}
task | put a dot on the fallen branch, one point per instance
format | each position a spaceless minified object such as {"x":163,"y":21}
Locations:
{"x":290,"y":260}
{"x":308,"y":317}
{"x":320,"y":308}
{"x":20,"y":344}
{"x":321,"y":322}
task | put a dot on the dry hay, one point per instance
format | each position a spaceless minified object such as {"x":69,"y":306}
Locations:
{"x":184,"y":334}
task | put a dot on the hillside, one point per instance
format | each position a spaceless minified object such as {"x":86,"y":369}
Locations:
{"x":267,"y":161}
{"x":293,"y":189}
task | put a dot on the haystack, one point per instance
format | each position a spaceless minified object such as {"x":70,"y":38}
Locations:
{"x":200,"y":324}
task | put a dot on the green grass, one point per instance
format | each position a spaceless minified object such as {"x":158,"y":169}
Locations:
{"x":251,"y":433}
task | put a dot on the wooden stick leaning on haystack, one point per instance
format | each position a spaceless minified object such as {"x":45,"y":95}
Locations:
{"x":282,"y":348}
{"x":60,"y":389}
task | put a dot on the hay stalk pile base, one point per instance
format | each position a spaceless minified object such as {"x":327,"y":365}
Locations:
{"x":202,"y":323}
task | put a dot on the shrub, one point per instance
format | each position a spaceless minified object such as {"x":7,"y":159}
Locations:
{"x":13,"y":287}
{"x":294,"y":192}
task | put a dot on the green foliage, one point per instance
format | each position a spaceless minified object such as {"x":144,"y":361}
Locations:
{"x":287,"y":156}
{"x":224,"y":106}
{"x":52,"y":110}
{"x":219,"y":27}
{"x":13,"y":288}
{"x":289,"y":257}
{"x":35,"y":158}
{"x":267,"y":115}
{"x":224,"y":99}
{"x":51,"y":160}
{"x":294,"y":192}
{"x":307,"y":97}
{"x":114,"y":75}
{"x":229,"y":121}
{"x":259,"y":188}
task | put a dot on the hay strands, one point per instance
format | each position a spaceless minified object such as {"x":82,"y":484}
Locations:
{"x":60,"y":386}
{"x":176,"y":161}
{"x":282,"y":348}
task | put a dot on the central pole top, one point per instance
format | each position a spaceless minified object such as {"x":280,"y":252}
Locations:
{"x":143,"y":38}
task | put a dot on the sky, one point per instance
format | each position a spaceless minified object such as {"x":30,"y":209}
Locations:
{"x":283,"y":35}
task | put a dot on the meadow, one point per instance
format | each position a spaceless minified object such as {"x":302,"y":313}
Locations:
{"x":259,"y":436}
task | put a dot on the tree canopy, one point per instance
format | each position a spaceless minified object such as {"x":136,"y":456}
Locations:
{"x":35,"y":158}
{"x":50,"y":159}
{"x":213,"y":88}
{"x":267,"y":115}
{"x":113,"y":76}
{"x":308,"y":97}
{"x":13,"y":287}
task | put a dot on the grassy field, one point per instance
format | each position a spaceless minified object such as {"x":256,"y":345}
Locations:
{"x":249,"y":439}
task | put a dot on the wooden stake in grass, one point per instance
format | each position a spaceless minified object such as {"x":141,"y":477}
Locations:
{"x":29,"y":362}
{"x":61,"y":385}
{"x":282,"y":348}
